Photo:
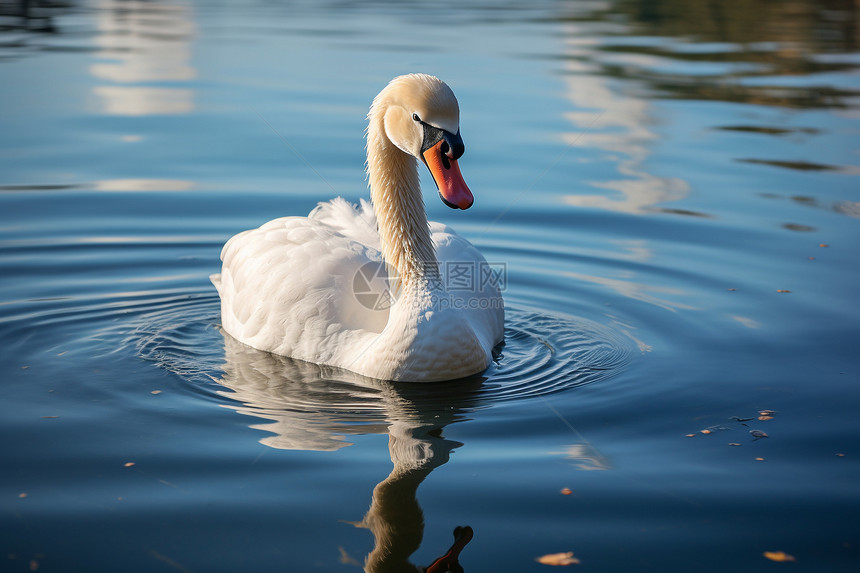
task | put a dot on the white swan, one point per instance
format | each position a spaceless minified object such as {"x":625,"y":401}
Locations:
{"x":299,"y":286}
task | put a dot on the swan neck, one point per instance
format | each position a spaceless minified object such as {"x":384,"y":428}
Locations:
{"x":395,"y":192}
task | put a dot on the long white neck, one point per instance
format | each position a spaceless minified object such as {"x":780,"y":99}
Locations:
{"x":395,"y":191}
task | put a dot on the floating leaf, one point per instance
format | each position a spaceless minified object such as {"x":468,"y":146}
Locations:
{"x":691,"y":435}
{"x":128,"y":464}
{"x":782,"y":290}
{"x":156,"y":392}
{"x":779,"y":556}
{"x":825,"y":245}
{"x":734,"y":444}
{"x":766,"y":413}
{"x":566,"y":491}
{"x":558,"y":559}
{"x":757,"y":434}
{"x":765,"y":418}
{"x":706,"y":431}
{"x":22,"y":495}
{"x":759,"y":459}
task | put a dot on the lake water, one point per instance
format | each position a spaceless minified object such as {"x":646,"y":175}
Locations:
{"x":671,"y":188}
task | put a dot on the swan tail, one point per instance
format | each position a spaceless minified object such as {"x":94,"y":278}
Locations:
{"x":216,"y":281}
{"x":356,"y":222}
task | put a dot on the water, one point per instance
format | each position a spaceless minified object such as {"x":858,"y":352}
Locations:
{"x":672,"y":187}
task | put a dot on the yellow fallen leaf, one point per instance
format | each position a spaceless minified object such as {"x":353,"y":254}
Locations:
{"x":706,"y":431}
{"x":765,"y":418}
{"x":558,"y":559}
{"x":782,"y":290}
{"x":779,"y":556}
{"x":566,"y":491}
{"x":128,"y":464}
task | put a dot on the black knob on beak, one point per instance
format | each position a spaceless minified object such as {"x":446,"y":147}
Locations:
{"x":453,"y":145}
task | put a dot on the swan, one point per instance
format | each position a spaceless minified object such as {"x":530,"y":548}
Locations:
{"x":299,"y":286}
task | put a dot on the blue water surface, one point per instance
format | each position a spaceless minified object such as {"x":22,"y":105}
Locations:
{"x":670,"y":187}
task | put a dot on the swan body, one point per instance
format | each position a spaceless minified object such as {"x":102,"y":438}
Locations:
{"x":364,"y":287}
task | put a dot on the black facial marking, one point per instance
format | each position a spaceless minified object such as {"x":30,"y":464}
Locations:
{"x":432,"y":136}
{"x":453,"y":143}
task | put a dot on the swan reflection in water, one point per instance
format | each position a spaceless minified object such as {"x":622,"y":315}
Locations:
{"x":313,"y":407}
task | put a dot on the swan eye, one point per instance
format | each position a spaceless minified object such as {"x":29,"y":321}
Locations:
{"x":415,"y":117}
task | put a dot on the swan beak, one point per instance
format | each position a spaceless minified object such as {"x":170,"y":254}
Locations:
{"x":441,"y":161}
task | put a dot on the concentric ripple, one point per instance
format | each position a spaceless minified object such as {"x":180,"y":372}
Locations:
{"x":313,"y":407}
{"x":542,"y":354}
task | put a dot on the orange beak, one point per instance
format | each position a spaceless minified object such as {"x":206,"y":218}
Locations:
{"x":446,"y":173}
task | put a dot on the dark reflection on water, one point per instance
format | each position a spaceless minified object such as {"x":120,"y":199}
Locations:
{"x":704,"y":51}
{"x":776,"y":38}
{"x":798,"y":165}
{"x":311,"y":408}
{"x":30,"y":15}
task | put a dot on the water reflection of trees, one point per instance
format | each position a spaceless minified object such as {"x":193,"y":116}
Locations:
{"x":822,"y":26}
{"x":748,"y":39}
{"x":622,"y":56}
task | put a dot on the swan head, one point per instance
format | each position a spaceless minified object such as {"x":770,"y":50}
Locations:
{"x":421,"y":117}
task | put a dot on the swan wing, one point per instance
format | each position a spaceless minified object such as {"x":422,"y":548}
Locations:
{"x":289,"y":286}
{"x":357,"y":223}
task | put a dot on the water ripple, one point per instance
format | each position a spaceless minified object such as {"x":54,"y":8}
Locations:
{"x":542,"y":354}
{"x":312,"y":407}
